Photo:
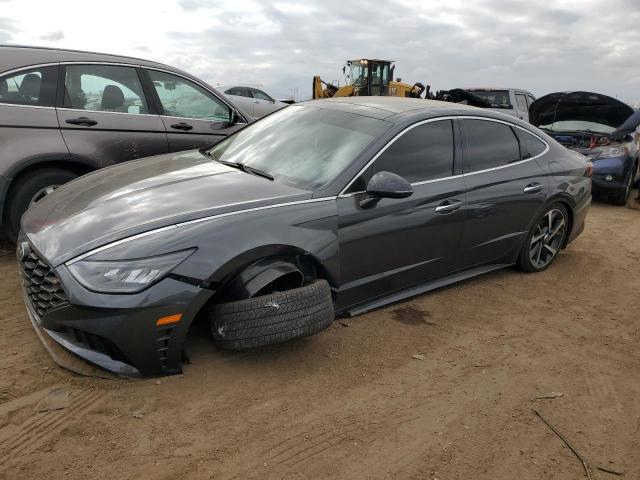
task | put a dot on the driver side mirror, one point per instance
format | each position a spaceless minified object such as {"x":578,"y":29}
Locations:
{"x":389,"y":185}
{"x":386,"y":185}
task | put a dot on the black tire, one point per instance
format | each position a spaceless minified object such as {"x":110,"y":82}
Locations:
{"x":621,"y":198}
{"x":23,"y":191}
{"x":525,"y":261}
{"x":274,"y":318}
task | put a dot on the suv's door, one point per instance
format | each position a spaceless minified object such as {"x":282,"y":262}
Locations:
{"x":522,"y":106}
{"x":193,"y":116}
{"x":396,"y":243}
{"x":29,"y":126}
{"x":505,"y":188}
{"x":104,"y":115}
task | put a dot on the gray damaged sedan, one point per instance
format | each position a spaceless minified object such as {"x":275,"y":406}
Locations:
{"x":323,"y":208}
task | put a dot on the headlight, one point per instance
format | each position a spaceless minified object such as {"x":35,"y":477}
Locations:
{"x":614,"y":152}
{"x":125,"y":276}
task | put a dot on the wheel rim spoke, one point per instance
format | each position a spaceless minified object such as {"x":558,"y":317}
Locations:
{"x":557,"y":229}
{"x":547,"y":238}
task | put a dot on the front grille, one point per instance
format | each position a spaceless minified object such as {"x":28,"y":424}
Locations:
{"x":41,"y":284}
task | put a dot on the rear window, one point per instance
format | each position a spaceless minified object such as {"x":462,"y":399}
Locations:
{"x":500,"y":98}
{"x":35,"y":87}
{"x":489,"y":145}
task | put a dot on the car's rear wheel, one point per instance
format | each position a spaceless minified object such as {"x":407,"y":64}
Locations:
{"x":29,"y":189}
{"x":546,"y":238}
{"x":273,"y":318}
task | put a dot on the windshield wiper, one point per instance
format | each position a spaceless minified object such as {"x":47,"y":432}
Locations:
{"x":255,"y":171}
{"x":243,"y":167}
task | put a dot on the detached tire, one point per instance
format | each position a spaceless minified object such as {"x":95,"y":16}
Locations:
{"x":274,"y":318}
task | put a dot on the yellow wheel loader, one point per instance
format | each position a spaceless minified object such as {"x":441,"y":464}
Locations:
{"x":367,"y":77}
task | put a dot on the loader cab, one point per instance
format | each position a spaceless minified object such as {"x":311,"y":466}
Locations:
{"x":369,"y":77}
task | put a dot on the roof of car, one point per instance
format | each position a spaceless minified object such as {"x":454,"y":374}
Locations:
{"x":384,"y":107}
{"x":17,"y":56}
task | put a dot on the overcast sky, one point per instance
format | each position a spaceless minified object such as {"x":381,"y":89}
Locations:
{"x":540,"y":46}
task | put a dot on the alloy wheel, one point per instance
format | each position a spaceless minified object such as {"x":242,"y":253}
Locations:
{"x":43,"y":192}
{"x":547,"y":238}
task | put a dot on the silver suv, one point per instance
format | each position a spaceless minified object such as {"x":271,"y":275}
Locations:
{"x":64,"y":113}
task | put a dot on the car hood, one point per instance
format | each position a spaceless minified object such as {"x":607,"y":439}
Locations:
{"x":134,"y":197}
{"x":579,"y":106}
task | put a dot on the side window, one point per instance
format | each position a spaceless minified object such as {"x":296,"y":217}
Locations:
{"x":521,"y":100}
{"x":530,"y":99}
{"x":259,"y":94}
{"x":489,"y":145}
{"x":423,"y":153}
{"x":35,"y":87}
{"x":530,"y":146}
{"x":239,"y":91}
{"x":103,"y":88}
{"x":181,"y":98}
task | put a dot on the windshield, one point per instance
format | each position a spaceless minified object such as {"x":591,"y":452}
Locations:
{"x":578,"y":126}
{"x":359,"y":73}
{"x":305,"y":147}
{"x":495,"y":96}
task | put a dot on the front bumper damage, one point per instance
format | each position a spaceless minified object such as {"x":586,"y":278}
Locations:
{"x":117,"y":333}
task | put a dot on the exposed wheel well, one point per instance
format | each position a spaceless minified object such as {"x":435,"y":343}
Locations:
{"x":271,"y":273}
{"x":570,"y":226}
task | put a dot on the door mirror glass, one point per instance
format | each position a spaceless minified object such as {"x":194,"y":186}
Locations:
{"x":389,"y":185}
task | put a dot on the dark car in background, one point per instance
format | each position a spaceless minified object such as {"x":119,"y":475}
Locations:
{"x":600,"y":127}
{"x":325,"y":207}
{"x":65,"y":113}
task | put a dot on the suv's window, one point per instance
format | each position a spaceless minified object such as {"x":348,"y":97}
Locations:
{"x":103,"y":88}
{"x":259,"y":94}
{"x":521,"y":100}
{"x":530,"y":99}
{"x":32,"y":87}
{"x":181,"y":98}
{"x":530,"y":146}
{"x":489,"y":145}
{"x":423,"y":153}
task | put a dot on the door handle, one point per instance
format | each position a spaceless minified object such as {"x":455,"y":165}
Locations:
{"x":533,"y":188}
{"x":87,"y":122}
{"x":182,"y":126}
{"x":257,"y":101}
{"x":448,"y":206}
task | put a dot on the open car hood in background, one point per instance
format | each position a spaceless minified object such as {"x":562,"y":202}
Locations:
{"x":580,"y":106}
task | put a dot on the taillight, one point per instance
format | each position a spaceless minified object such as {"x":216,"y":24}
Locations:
{"x":589,"y":170}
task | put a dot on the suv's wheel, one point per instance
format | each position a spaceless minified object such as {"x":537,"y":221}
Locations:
{"x":544,"y":241}
{"x":29,"y":189}
{"x":273,"y":318}
{"x":621,"y":198}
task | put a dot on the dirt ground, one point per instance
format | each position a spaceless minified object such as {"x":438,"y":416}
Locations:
{"x":353,"y":402}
